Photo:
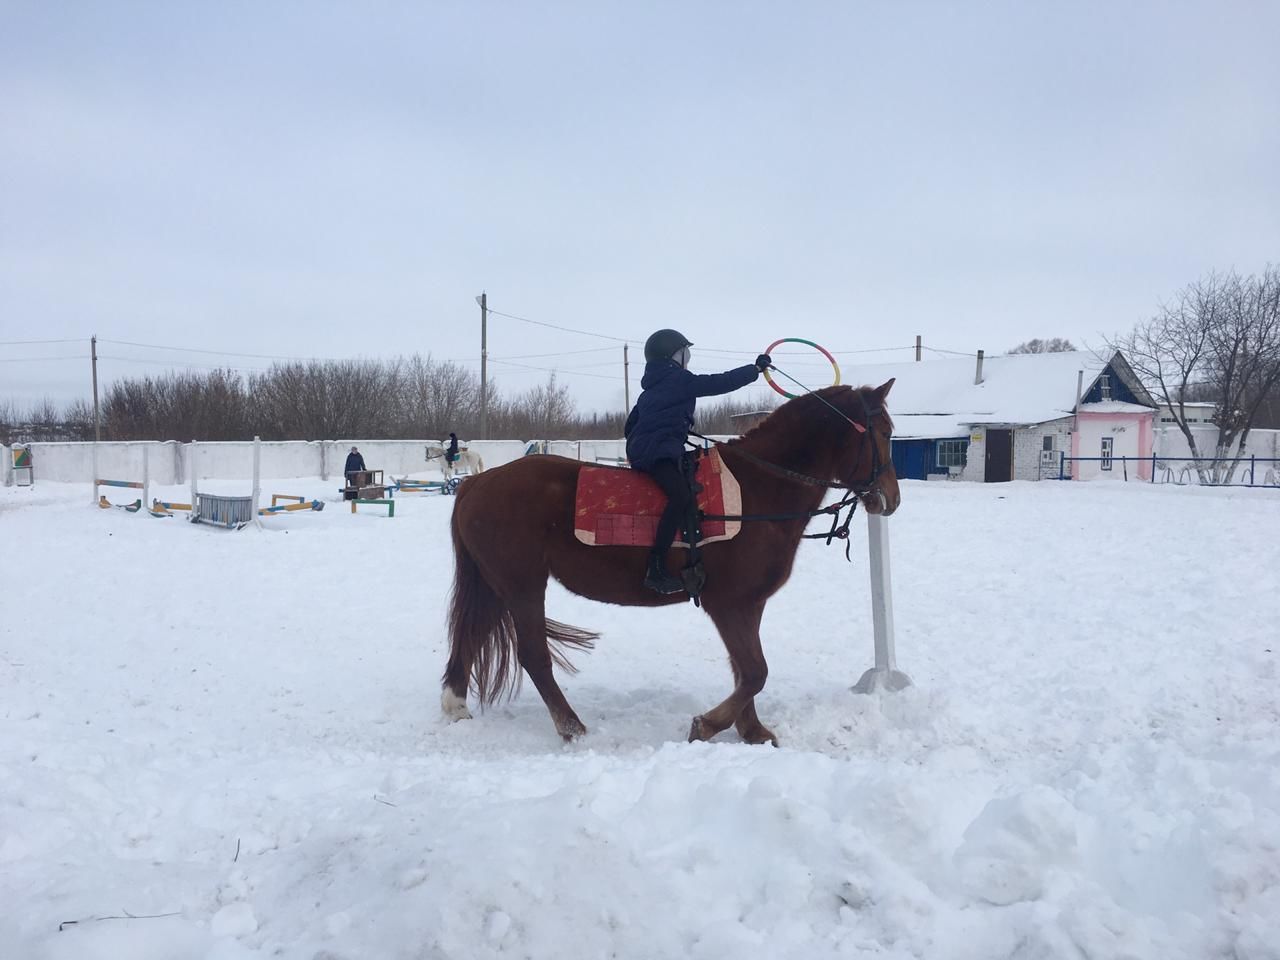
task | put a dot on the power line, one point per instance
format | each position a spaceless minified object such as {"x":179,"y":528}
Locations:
{"x":182,"y":363}
{"x":533,"y":356}
{"x":15,"y":343}
{"x":576,"y":373}
{"x":221,"y":353}
{"x":794,"y":352}
{"x":554,"y":326}
{"x":77,"y":356}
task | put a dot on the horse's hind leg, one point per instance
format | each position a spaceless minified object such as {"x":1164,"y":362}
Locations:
{"x":740,"y":630}
{"x":453,"y":693}
{"x":535,"y":656}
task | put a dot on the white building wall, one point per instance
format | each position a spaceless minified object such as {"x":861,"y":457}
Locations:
{"x":1028,"y":444}
{"x":1170,"y":443}
{"x":975,"y":465}
{"x":172,"y":463}
{"x":1126,"y":443}
{"x":73,"y":462}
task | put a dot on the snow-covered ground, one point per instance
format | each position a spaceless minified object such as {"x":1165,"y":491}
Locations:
{"x":237,"y":737}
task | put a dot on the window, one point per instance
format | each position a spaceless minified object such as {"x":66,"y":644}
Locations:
{"x":952,"y":453}
{"x":1104,"y":384}
{"x":1107,"y":444}
{"x":1168,"y":419}
{"x":1046,"y":450}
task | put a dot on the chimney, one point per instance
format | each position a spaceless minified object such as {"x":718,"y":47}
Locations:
{"x":1075,"y":419}
{"x":977,"y":376}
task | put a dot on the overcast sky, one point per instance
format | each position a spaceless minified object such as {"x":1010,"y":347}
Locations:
{"x":339,"y":180}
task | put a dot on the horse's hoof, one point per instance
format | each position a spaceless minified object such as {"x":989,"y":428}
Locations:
{"x":698,"y":730}
{"x":571,"y":729}
{"x":758,"y":736}
{"x":453,"y":706}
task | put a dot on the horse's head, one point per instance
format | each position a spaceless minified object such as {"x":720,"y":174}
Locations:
{"x":865,"y":463}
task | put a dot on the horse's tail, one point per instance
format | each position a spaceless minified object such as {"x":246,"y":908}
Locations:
{"x":482,"y":633}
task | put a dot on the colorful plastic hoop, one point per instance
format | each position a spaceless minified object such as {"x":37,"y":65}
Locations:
{"x":808,"y":343}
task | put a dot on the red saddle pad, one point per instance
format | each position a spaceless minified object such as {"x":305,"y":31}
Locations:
{"x":619,"y":507}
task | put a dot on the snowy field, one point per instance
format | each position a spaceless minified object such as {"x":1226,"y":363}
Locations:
{"x":235,"y":737}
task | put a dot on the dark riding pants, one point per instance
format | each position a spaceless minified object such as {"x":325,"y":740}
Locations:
{"x":671,"y":479}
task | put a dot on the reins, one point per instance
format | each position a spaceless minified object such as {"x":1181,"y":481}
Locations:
{"x":854,"y":492}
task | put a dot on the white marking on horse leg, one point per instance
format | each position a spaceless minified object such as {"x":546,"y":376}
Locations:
{"x":454,"y":706}
{"x":570,"y":728}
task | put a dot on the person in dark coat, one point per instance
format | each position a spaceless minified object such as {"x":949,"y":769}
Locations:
{"x":658,"y":427}
{"x":451,"y":451}
{"x":355,"y":464}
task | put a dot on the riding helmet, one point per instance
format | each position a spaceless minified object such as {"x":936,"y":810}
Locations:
{"x":664,"y":344}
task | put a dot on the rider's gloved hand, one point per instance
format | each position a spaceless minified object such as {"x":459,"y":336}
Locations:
{"x":764,"y":362}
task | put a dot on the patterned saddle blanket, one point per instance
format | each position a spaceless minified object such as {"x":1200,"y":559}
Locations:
{"x":619,"y":507}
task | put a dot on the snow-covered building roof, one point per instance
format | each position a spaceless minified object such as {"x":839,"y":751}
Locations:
{"x":939,"y":398}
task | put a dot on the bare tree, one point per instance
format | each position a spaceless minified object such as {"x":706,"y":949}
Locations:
{"x":1052,"y":345}
{"x":438,"y":398}
{"x":1219,"y":338}
{"x":717,"y":417}
{"x":542,"y":412}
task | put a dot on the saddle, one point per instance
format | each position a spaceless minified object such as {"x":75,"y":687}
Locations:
{"x":617,"y":507}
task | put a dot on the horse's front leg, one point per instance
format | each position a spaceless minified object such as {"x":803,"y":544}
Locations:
{"x":740,"y":630}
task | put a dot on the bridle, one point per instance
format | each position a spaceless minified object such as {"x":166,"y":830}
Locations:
{"x":854,"y":490}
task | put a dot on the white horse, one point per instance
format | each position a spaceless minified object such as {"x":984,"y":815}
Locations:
{"x":468,"y":462}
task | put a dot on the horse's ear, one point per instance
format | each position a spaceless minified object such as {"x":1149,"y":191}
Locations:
{"x":882,"y":391}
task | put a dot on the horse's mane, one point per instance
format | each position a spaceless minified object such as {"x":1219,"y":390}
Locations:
{"x":807,"y":412}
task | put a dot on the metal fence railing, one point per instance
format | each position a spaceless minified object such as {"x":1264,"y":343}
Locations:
{"x":1205,"y":471}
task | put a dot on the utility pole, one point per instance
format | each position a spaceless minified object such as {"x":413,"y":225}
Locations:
{"x":93,"y":353}
{"x":483,"y":300}
{"x":626,"y":376}
{"x":917,"y":348}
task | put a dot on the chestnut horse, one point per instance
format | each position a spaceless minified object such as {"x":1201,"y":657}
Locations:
{"x":513,"y":527}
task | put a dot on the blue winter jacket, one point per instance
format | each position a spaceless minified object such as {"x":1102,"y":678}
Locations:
{"x":660,"y":422}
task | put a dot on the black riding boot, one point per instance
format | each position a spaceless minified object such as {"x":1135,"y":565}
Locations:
{"x":658,"y":579}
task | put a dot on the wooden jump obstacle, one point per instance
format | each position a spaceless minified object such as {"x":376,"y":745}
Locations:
{"x":405,"y":485}
{"x":232,"y":513}
{"x":363,"y":485}
{"x":144,"y":485}
{"x":389,"y":504}
{"x":165,"y":508}
{"x":106,"y":504}
{"x":295,"y":503}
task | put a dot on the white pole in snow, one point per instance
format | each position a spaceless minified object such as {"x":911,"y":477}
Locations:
{"x":885,"y":674}
{"x":94,"y":501}
{"x":146,"y":477}
{"x":257,"y":460}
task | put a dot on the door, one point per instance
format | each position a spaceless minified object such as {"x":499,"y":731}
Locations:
{"x":999,"y":464}
{"x":909,"y":459}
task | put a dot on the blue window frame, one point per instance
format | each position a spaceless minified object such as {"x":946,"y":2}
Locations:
{"x":952,"y":453}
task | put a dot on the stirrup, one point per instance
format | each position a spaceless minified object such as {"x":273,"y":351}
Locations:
{"x":660,"y":581}
{"x":694,"y":579}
